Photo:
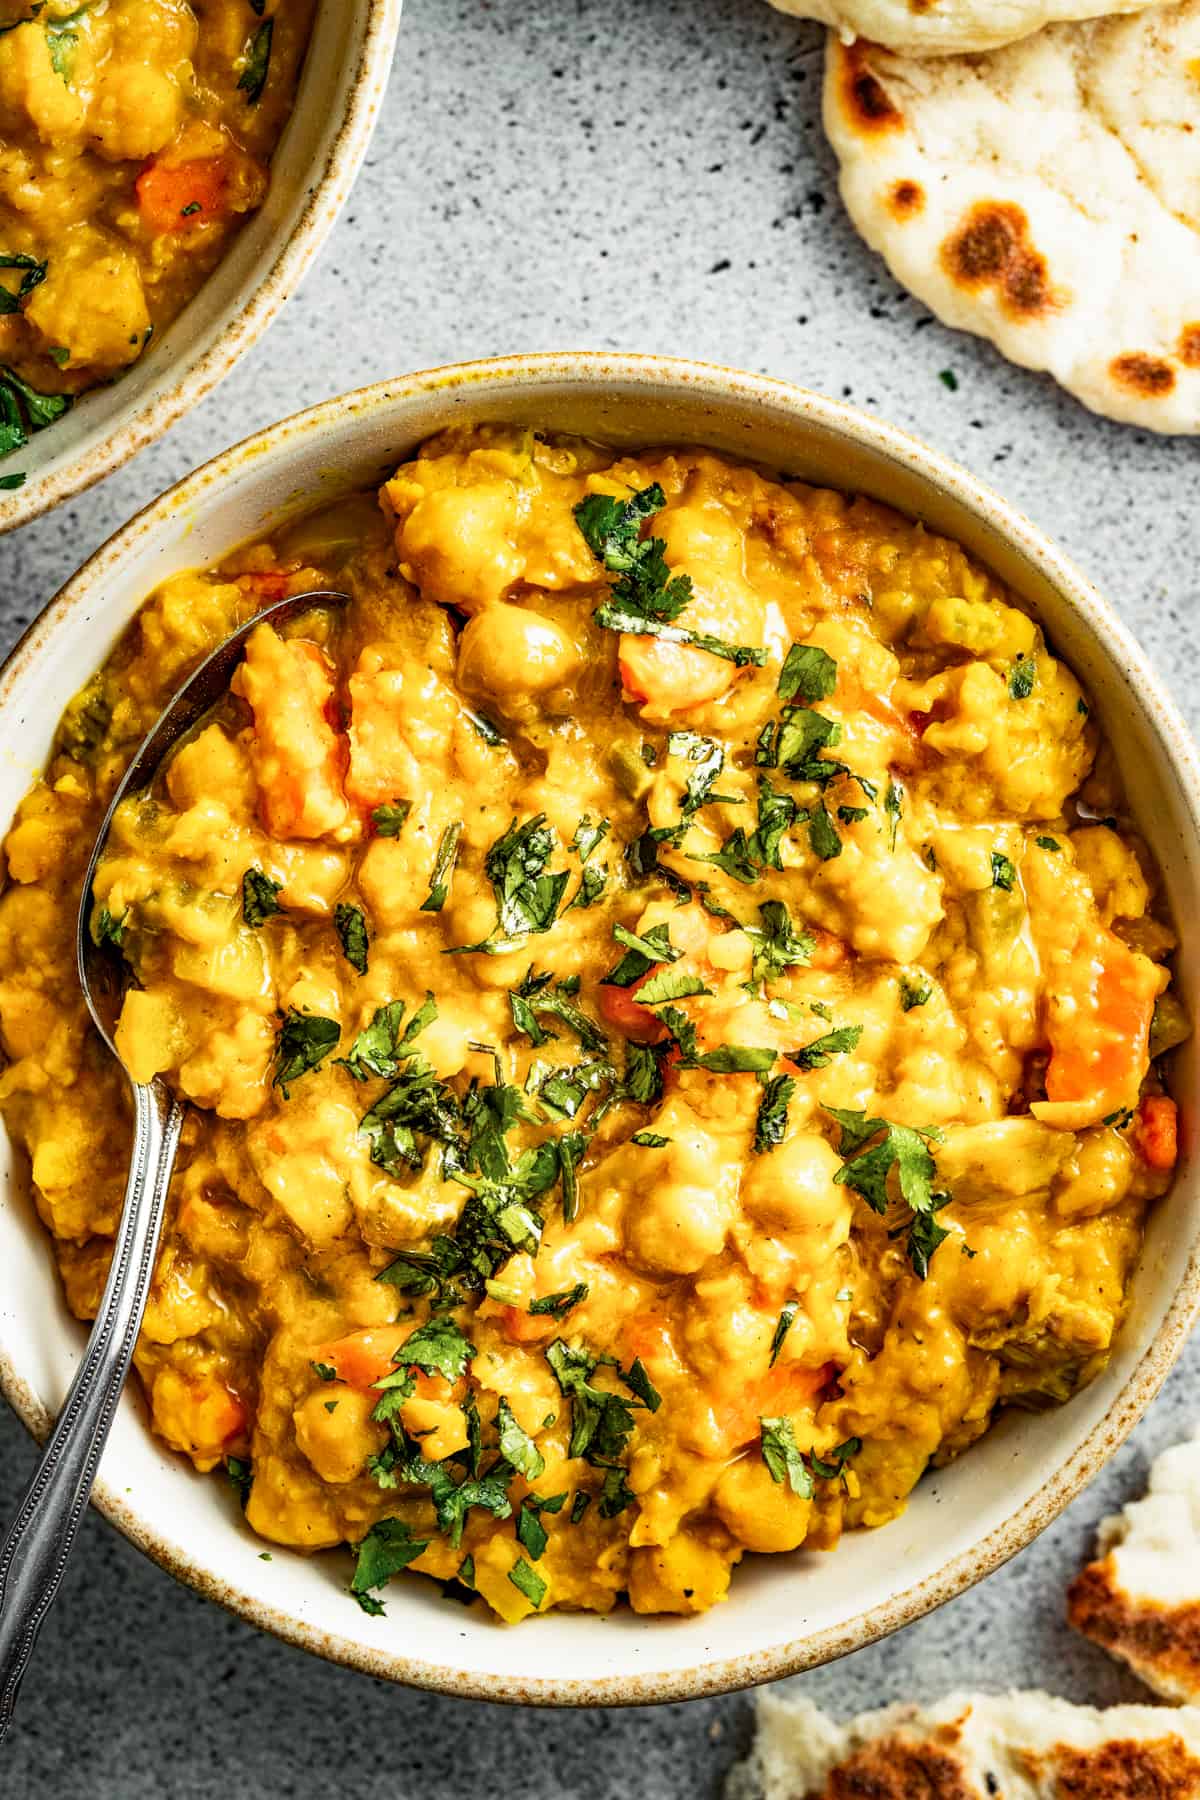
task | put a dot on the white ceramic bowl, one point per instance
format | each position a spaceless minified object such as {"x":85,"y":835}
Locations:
{"x":312,"y":171}
{"x":784,"y":1613}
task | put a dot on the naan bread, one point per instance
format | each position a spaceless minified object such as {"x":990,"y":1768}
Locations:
{"x":1141,"y":1598}
{"x":972,"y":1747}
{"x":1045,"y":196}
{"x":948,"y":27}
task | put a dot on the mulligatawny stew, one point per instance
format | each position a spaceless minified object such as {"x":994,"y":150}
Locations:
{"x":670,"y":996}
{"x":135,"y":137}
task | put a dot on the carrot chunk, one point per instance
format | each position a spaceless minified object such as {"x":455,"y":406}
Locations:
{"x":1156,"y":1131}
{"x":1099,"y":1028}
{"x":297,"y":755}
{"x":179,"y":196}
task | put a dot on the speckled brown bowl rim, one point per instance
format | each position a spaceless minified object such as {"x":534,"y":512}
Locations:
{"x":328,"y":190}
{"x":593,"y":371}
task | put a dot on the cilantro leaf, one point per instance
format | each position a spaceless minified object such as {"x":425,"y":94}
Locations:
{"x":516,"y":1446}
{"x":1004,"y":874}
{"x":257,"y":63}
{"x":304,"y":1041}
{"x":817,"y":1054}
{"x":535,"y":999}
{"x":770,"y":1122}
{"x":650,"y":1140}
{"x":241,"y":1477}
{"x":778,"y":945}
{"x":389,"y":820}
{"x":417,"y":1104}
{"x":808,"y":673}
{"x":830,"y":1469}
{"x":1021,"y":677}
{"x":783,"y":1456}
{"x":438,"y":1347}
{"x":557,"y":1306}
{"x":388,"y":1548}
{"x":601,"y":1421}
{"x":351,"y":928}
{"x":905,"y":1149}
{"x":443,"y":868}
{"x":670,"y":984}
{"x":527,"y":898}
{"x":641,"y":954}
{"x":379,"y":1048}
{"x":794,"y":742}
{"x":528,"y":1581}
{"x":1048,"y":843}
{"x":646,"y":598}
{"x":893,"y":806}
{"x":786,"y":1317}
{"x":589,"y":836}
{"x":823,"y":834}
{"x":260,"y":897}
{"x":914,"y":992}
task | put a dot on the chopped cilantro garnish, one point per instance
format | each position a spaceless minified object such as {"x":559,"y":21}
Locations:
{"x":783,"y":1457}
{"x":778,"y":945}
{"x":260,"y":896}
{"x":528,"y":1581}
{"x":380,"y":1048}
{"x":808,"y":673}
{"x":257,"y":63}
{"x":1048,"y":843}
{"x":110,"y":930}
{"x":438,"y":1347}
{"x":905,"y":1149}
{"x":305,"y":1040}
{"x":516,"y":1446}
{"x":914,"y":992}
{"x":770,"y":1122}
{"x":536,"y":999}
{"x":527,"y":898}
{"x":707,"y":759}
{"x":388,"y":1548}
{"x":823,"y":834}
{"x":351,"y":928}
{"x":579,"y":1505}
{"x":639,"y":1383}
{"x":893,"y":804}
{"x":323,"y":1371}
{"x":726,"y":1059}
{"x":389,"y":820}
{"x":641,"y":954}
{"x":650,"y":1140}
{"x":1004,"y":874}
{"x":784,"y":1325}
{"x":241,"y":1477}
{"x":443,"y":868}
{"x":670,"y":984}
{"x":557,"y":1306}
{"x":816,"y":1055}
{"x":1021,"y":677}
{"x":646,"y":598}
{"x":745,"y":856}
{"x":416,"y":1105}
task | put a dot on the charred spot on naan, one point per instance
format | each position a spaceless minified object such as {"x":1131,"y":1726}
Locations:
{"x":865,"y":100}
{"x":992,"y":247}
{"x":905,"y":199}
{"x":1188,"y":347}
{"x":1123,"y":1769}
{"x":1149,"y":376}
{"x":903,"y":1768}
{"x":1161,"y":1642}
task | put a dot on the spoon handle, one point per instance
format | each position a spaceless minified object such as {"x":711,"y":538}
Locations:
{"x":35,"y":1552}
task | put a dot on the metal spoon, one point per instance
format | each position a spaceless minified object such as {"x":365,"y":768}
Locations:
{"x":34,"y":1554}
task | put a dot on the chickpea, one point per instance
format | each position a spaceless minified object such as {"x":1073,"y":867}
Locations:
{"x":676,"y":1229}
{"x":792,"y":1194}
{"x":507,"y":652}
{"x":762,"y":1514}
{"x":686,"y":1575}
{"x":335,"y":1431}
{"x":457,"y":542}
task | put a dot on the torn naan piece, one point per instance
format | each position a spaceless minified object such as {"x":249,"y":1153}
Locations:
{"x":1019,"y":1746}
{"x":1141,"y":1598}
{"x":1045,"y":196}
{"x":948,"y":27}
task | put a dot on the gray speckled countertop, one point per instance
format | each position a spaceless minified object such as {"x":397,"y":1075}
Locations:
{"x":552,"y":175}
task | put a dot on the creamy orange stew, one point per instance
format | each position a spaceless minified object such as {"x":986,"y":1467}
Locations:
{"x":670,"y":995}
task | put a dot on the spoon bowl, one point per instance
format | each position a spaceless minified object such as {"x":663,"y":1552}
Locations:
{"x":34,"y":1554}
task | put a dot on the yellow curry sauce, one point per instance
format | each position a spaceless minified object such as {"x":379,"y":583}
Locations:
{"x":135,"y":137}
{"x":668,"y":1061}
